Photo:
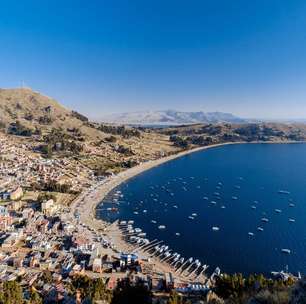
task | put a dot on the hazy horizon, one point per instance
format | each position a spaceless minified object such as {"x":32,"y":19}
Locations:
{"x":244,"y":58}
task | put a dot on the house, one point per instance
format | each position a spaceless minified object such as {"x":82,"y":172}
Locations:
{"x":97,"y":265}
{"x":5,"y":219}
{"x":49,"y":208}
{"x":16,"y":194}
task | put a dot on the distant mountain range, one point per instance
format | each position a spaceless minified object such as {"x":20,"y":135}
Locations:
{"x":171,"y":117}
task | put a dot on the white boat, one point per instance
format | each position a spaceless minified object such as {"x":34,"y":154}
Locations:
{"x":278,"y":210}
{"x":260,"y":229}
{"x":264,"y":219}
{"x":285,"y":250}
{"x":215,"y":228}
{"x":250,"y":233}
{"x":283,"y":192}
{"x":291,"y":220}
{"x":161,"y":227}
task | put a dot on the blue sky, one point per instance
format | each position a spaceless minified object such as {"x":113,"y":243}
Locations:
{"x":100,"y":57}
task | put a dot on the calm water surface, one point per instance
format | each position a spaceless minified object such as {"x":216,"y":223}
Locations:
{"x":232,"y":187}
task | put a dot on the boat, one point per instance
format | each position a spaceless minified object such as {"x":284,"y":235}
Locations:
{"x":253,"y":207}
{"x":205,"y":198}
{"x":194,"y":214}
{"x":264,"y":219}
{"x":260,"y":229}
{"x":291,"y":205}
{"x":153,"y":222}
{"x":213,"y":202}
{"x":291,"y":220}
{"x":234,"y":198}
{"x":283,"y":192}
{"x":285,"y":250}
{"x":223,"y":207}
{"x":215,"y":228}
{"x":250,"y":233}
{"x":161,"y":227}
{"x":177,"y":234}
{"x":191,"y":217}
{"x":278,"y":210}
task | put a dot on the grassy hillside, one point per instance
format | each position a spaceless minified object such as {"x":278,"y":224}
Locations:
{"x":33,"y":109}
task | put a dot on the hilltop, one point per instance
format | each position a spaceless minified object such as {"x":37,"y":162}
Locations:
{"x":171,"y":117}
{"x":35,"y":110}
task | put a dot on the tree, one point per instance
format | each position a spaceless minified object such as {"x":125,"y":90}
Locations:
{"x":35,"y":298}
{"x":125,"y":293}
{"x":11,"y":293}
{"x":175,"y":298}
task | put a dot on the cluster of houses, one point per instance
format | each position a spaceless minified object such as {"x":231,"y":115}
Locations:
{"x":21,"y":165}
{"x":38,"y":237}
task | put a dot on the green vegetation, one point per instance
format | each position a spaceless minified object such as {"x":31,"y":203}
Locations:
{"x":90,"y":289}
{"x":11,"y":293}
{"x":59,"y":141}
{"x":119,"y":130}
{"x":16,"y":128}
{"x":45,"y":120}
{"x":125,"y":293}
{"x":238,"y":289}
{"x":35,"y":298}
{"x":79,"y":116}
{"x":51,"y":186}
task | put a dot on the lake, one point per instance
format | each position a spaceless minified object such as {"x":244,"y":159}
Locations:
{"x":254,"y":193}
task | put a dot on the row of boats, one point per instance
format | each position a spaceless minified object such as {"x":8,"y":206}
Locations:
{"x":189,"y":268}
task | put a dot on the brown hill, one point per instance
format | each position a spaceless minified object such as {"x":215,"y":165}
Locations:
{"x":33,"y":109}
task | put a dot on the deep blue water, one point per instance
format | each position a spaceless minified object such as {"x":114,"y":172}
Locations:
{"x":250,"y":172}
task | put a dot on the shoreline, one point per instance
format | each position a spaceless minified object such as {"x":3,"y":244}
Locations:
{"x":114,"y":181}
{"x":86,"y":203}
